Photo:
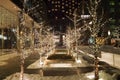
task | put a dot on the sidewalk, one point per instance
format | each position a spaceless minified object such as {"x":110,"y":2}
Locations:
{"x":109,"y":54}
{"x":6,"y":56}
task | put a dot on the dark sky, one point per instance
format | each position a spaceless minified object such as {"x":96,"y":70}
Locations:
{"x":56,"y":12}
{"x":56,"y":9}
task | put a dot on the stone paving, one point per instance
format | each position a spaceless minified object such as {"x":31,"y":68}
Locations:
{"x":88,"y":76}
{"x":108,"y":52}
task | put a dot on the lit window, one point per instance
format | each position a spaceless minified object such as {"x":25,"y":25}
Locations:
{"x":53,"y":2}
{"x":69,"y":2}
{"x":70,"y":9}
{"x":73,"y":1}
{"x":63,"y":10}
{"x":40,"y":18}
{"x":112,"y":26}
{"x":53,"y":9}
{"x":49,"y":11}
{"x":67,"y":12}
{"x":70,"y":6}
{"x":63,"y":3}
{"x":63,"y":18}
{"x":112,"y":3}
{"x":70,"y":13}
{"x":41,"y":7}
{"x":56,"y":9}
{"x":112,"y":21}
{"x":79,"y":4}
{"x":112,"y":10}
{"x":56,"y":17}
{"x":41,"y":11}
{"x":58,"y":2}
{"x":73,"y":7}
{"x":62,"y":7}
{"x":66,"y":5}
{"x":56,"y":5}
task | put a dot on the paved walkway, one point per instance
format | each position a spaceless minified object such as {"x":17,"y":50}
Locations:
{"x":109,"y":54}
{"x":6,"y":56}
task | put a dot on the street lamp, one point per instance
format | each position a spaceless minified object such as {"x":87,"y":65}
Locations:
{"x":109,"y":42}
{"x":109,"y":37}
{"x":109,"y":33}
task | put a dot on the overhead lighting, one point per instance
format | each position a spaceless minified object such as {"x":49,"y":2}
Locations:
{"x":90,"y":76}
{"x":109,"y":32}
{"x":13,"y":30}
{"x":3,"y":37}
{"x":101,"y":79}
{"x":85,"y":16}
{"x":41,"y":63}
{"x":90,"y":22}
{"x":78,"y":61}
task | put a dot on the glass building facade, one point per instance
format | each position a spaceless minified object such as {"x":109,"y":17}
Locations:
{"x":9,"y":24}
{"x":55,"y":12}
{"x":8,"y":21}
{"x":114,"y":11}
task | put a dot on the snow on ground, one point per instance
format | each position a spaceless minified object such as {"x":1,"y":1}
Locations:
{"x":39,"y":77}
{"x":6,"y":57}
{"x":87,"y":76}
{"x":78,"y":63}
{"x":3,"y":58}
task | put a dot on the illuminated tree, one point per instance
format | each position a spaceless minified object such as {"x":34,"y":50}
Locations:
{"x":94,"y":26}
{"x":71,"y":37}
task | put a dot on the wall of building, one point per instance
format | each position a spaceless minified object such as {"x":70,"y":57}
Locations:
{"x":9,"y":24}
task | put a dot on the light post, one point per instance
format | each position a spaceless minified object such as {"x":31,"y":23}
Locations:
{"x":109,"y":33}
{"x":2,"y":40}
{"x":109,"y":42}
{"x":109,"y":37}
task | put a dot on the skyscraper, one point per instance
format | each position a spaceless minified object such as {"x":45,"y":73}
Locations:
{"x":114,"y":11}
{"x":35,"y":8}
{"x":60,"y":10}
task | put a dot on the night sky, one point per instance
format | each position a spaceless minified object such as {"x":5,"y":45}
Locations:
{"x":56,"y":12}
